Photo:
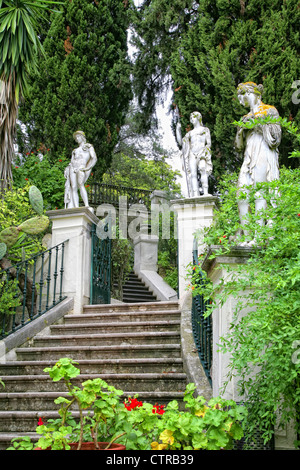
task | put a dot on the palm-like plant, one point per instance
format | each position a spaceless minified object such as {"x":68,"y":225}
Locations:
{"x":19,"y":46}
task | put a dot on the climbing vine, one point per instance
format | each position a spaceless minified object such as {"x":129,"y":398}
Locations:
{"x":264,"y":344}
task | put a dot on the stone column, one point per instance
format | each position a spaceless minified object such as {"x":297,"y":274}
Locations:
{"x":222,"y":317}
{"x":75,"y":226}
{"x":192,"y":214}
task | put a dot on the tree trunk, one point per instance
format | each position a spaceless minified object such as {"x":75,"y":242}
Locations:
{"x":8,"y":117}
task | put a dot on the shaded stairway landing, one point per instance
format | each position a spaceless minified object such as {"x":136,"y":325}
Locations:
{"x":135,"y":290}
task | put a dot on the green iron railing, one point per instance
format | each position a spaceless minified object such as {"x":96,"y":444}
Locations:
{"x":202,"y":327}
{"x":100,"y":268}
{"x":31,"y":288}
{"x":100,"y":193}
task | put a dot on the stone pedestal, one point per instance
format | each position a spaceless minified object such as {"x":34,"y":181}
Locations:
{"x":145,"y":252}
{"x":75,"y":226}
{"x":192,"y":214}
{"x":222,"y":317}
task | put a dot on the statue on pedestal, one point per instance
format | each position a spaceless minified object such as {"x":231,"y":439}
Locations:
{"x":196,"y":154}
{"x":259,"y":146}
{"x":77,"y":172}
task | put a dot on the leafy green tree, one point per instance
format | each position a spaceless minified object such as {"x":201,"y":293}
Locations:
{"x":83,"y":80}
{"x":222,"y":44}
{"x":157,"y":28}
{"x":142,"y":173}
{"x":20,"y":46}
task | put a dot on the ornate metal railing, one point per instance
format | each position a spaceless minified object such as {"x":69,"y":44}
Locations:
{"x":31,"y":288}
{"x":202,"y":327}
{"x":100,"y":193}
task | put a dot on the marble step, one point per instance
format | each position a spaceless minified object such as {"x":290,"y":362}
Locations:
{"x":154,"y":351}
{"x":41,"y":401}
{"x":104,"y":366}
{"x":115,"y":327}
{"x":103,"y":339}
{"x":129,"y":307}
{"x":126,"y":381}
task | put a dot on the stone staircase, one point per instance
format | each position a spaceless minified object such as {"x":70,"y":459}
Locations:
{"x":133,"y":346}
{"x":135,"y":290}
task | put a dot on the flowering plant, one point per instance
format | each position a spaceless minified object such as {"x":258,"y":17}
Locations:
{"x":213,"y":425}
{"x":105,"y":417}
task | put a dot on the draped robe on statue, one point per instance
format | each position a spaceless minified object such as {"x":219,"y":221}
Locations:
{"x":260,"y":150}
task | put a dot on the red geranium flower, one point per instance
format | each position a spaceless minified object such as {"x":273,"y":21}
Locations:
{"x":133,"y":403}
{"x":40,"y":422}
{"x":158,"y":409}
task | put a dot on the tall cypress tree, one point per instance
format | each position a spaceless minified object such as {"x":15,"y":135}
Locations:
{"x":83,"y":81}
{"x":157,"y":29}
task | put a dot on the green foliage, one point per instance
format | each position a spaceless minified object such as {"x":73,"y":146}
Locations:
{"x":142,"y":173}
{"x":9,"y":236}
{"x":168,"y":269}
{"x":9,"y":298}
{"x":289,"y":126}
{"x":137,"y":425}
{"x":53,"y":437}
{"x":20,"y":46}
{"x":47,"y":175}
{"x":212,"y":426}
{"x":267,"y":287}
{"x":95,"y":394}
{"x":36,"y":200}
{"x":83,"y":80}
{"x":34,"y":225}
{"x":19,"y":42}
{"x":21,"y":443}
{"x":15,"y":209}
{"x":121,"y":265}
{"x":3,"y":249}
{"x":167,"y":253}
{"x":158,"y":26}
